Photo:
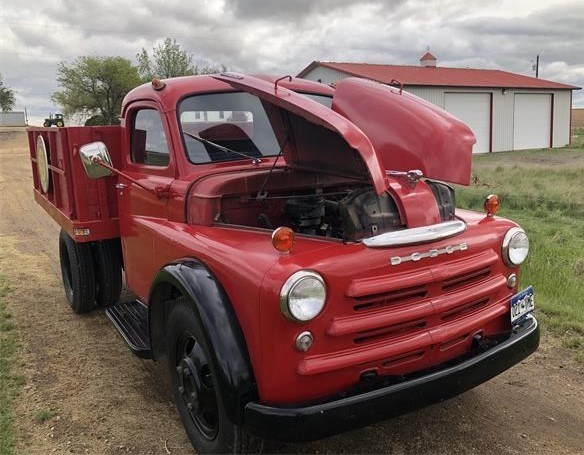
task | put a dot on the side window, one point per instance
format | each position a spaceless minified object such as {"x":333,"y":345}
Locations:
{"x":149,"y":144}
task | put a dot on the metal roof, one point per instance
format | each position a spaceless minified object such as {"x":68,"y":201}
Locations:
{"x":438,"y":76}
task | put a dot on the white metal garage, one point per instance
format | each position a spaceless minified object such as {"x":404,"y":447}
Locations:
{"x":474,"y":109}
{"x":505,"y":111}
{"x":532,"y":120}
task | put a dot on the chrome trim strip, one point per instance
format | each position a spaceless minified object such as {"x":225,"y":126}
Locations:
{"x":417,"y":235}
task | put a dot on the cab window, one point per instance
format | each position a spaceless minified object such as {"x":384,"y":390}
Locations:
{"x":149,"y":145}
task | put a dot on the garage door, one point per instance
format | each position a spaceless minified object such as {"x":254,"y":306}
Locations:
{"x":474,"y":109}
{"x":532,"y":121}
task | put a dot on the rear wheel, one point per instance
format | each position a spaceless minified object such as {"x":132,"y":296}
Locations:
{"x":78,"y":273}
{"x":60,"y":123}
{"x":108,"y":272}
{"x":192,"y":376}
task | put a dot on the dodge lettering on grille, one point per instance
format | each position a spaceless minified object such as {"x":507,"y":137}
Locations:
{"x":432,"y":253}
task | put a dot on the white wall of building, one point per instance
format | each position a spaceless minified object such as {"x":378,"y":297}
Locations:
{"x":326,"y":75}
{"x":562,"y":112}
{"x":12,"y":119}
{"x":503,"y":107}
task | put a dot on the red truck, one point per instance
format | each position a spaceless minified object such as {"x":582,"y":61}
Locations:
{"x":296,"y":257}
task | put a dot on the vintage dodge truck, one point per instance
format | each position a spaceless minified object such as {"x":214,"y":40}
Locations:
{"x":295,"y":255}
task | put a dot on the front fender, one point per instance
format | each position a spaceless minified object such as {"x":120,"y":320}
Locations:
{"x":219,"y":324}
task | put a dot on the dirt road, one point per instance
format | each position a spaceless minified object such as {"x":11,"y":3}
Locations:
{"x":106,"y":401}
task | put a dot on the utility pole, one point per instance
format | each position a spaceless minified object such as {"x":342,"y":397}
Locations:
{"x":535,"y":66}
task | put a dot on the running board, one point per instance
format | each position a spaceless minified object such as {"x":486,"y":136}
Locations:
{"x":131,"y":320}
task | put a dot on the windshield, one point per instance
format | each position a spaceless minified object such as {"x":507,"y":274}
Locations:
{"x":237,"y":121}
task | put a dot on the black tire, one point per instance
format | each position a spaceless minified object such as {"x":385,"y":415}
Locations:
{"x":60,"y":123}
{"x":46,"y":124}
{"x":199,"y":402}
{"x":78,"y":273}
{"x":108,"y":272}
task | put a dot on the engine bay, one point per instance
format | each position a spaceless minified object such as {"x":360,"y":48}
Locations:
{"x":346,"y":212}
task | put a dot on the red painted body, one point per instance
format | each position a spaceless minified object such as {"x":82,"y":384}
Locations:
{"x":74,"y":200}
{"x":390,"y":319}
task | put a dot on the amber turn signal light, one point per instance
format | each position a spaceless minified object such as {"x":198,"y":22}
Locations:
{"x":157,"y":84}
{"x":283,"y":239}
{"x":492,"y":204}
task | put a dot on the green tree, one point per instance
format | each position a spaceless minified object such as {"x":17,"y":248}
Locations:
{"x":169,"y":59}
{"x":6,"y":97}
{"x":95,"y":86}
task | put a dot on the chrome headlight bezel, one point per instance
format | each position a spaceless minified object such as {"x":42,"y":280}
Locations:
{"x":289,"y":308}
{"x":513,"y":238}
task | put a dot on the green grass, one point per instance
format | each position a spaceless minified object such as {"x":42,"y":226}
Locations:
{"x":542,"y":191}
{"x":578,"y":137}
{"x":44,"y":415}
{"x":9,"y":382}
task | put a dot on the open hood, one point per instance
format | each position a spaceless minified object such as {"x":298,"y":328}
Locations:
{"x":370,"y":129}
{"x":346,"y":150}
{"x":407,"y":132}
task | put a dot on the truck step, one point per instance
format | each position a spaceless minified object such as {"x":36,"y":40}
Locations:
{"x":131,"y":320}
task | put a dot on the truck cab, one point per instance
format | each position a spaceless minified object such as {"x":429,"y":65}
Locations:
{"x":295,"y":251}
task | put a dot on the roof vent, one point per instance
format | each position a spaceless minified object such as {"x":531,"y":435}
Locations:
{"x":428,"y":60}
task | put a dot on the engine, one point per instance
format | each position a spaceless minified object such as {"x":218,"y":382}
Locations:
{"x":354,"y":214}
{"x":349,"y":213}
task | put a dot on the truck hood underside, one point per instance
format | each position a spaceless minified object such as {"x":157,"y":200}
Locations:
{"x":372,"y":128}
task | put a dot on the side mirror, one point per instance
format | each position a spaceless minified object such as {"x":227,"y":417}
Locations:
{"x":90,"y":154}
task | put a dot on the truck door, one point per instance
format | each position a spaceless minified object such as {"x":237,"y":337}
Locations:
{"x":151,"y":163}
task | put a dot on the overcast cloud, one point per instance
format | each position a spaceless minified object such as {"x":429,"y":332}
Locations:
{"x":283,"y":37}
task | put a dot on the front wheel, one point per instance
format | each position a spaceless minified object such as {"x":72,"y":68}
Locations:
{"x":197,"y":396}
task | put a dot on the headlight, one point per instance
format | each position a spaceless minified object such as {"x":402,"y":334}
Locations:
{"x":515,"y":246}
{"x":303,"y":296}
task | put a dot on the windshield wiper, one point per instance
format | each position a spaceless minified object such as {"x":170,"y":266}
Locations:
{"x":254,"y":159}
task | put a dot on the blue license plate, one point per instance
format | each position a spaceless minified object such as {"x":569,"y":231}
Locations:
{"x":522,"y":304}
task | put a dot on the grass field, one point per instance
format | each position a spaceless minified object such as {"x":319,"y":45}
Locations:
{"x":9,"y":382}
{"x":542,"y":190}
{"x":578,"y":137}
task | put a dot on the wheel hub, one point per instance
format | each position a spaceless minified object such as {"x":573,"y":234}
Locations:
{"x":188,"y":385}
{"x":196,"y":387}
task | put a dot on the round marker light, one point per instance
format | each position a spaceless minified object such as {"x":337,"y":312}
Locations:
{"x":303,"y":296}
{"x":492,"y":204}
{"x":515,"y":247}
{"x":283,"y":239}
{"x":157,"y":84}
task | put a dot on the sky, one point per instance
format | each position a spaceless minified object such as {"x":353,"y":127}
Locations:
{"x":283,"y":37}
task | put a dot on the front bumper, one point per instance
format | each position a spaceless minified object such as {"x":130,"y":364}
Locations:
{"x":315,"y":421}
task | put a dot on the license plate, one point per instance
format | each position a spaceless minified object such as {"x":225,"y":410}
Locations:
{"x":522,"y":304}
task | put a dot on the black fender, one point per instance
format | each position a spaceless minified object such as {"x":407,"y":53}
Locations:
{"x":218,"y":322}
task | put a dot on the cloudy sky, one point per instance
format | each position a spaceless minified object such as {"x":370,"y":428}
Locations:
{"x":283,"y":37}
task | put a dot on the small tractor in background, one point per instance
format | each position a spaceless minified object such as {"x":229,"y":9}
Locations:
{"x":56,"y":120}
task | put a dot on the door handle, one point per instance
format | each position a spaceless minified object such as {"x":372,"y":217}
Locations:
{"x":121,"y":186}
